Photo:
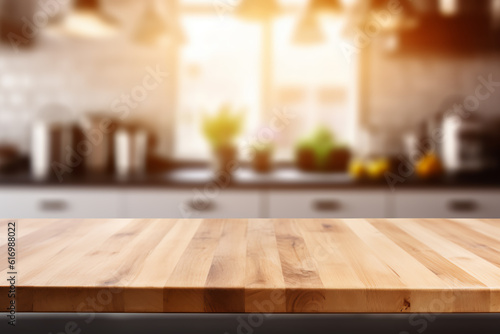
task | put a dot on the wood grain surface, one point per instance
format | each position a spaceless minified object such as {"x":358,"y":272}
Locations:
{"x":295,"y":266}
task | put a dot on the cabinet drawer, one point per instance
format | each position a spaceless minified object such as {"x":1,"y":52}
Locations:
{"x":189,"y":204}
{"x":58,"y":203}
{"x":447,"y":204}
{"x":327,"y":204}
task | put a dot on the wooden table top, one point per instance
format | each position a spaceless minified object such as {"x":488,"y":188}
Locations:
{"x":296,"y":266}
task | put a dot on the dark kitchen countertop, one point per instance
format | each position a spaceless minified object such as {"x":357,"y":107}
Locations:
{"x":245,"y":178}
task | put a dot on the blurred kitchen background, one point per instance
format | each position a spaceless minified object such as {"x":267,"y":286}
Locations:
{"x":249,"y":108}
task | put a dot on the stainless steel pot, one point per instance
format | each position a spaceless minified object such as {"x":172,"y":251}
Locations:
{"x":131,"y":145}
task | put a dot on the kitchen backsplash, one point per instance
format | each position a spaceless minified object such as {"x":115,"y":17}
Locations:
{"x":406,"y":90}
{"x":84,"y":76}
{"x":88,"y":76}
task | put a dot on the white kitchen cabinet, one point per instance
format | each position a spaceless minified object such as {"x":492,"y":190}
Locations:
{"x":83,"y":202}
{"x":327,"y":204}
{"x":446,"y":204}
{"x":59,"y":203}
{"x":183,"y":203}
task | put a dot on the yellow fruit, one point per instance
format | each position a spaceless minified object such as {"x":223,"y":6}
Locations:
{"x":429,"y":166}
{"x":377,"y":168}
{"x":357,"y":169}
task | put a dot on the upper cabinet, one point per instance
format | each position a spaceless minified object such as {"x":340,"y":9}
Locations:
{"x":15,"y":23}
{"x":457,"y":34}
{"x":445,"y":26}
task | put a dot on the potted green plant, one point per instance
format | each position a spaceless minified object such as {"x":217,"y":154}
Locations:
{"x":221,"y":130}
{"x":312,"y":151}
{"x":320,"y":152}
{"x":305,"y":156}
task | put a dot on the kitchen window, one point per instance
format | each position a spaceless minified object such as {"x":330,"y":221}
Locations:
{"x":217,"y":66}
{"x":222,"y":62}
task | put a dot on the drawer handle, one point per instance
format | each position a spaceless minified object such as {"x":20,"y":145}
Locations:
{"x":463,"y":205}
{"x":53,"y":205}
{"x":201,"y":206}
{"x":327,"y":205}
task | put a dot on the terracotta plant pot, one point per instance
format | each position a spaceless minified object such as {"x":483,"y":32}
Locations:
{"x":338,"y":160}
{"x":305,"y":159}
{"x":226,"y":159}
{"x":262,"y":161}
